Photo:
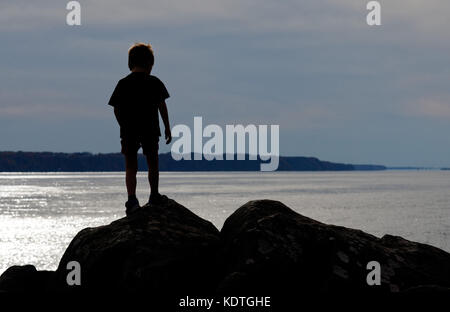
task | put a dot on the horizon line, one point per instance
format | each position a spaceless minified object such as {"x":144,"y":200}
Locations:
{"x":392,"y":167}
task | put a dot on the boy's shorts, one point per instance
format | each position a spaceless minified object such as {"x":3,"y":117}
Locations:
{"x":131,"y":146}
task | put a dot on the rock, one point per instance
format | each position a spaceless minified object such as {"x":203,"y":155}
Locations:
{"x":269,"y":248}
{"x":19,"y":279}
{"x":160,"y":249}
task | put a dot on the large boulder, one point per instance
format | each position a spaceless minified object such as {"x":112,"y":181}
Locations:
{"x":269,"y":248}
{"x":160,"y":249}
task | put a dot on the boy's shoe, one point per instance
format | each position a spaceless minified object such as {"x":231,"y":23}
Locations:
{"x":132,"y":206}
{"x":157,"y":199}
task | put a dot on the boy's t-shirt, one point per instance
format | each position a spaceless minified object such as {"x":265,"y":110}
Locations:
{"x":136,"y":98}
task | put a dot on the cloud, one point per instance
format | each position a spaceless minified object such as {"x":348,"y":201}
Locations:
{"x":22,"y":15}
{"x":49,"y":111}
{"x":45,"y":104}
{"x":436,"y":108}
{"x":311,"y":117}
{"x":233,"y":15}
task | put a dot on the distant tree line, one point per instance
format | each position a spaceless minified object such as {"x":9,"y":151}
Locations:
{"x":75,"y":162}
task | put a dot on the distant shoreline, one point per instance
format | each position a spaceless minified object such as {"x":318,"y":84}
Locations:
{"x":110,"y":162}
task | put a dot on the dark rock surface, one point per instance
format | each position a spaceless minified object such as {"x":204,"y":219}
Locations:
{"x":269,"y":247}
{"x":159,"y":249}
{"x":264,"y":248}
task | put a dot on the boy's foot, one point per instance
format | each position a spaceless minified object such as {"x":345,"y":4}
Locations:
{"x":132,"y":206}
{"x":157,"y":199}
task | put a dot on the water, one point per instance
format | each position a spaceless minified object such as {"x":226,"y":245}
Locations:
{"x":41,"y":212}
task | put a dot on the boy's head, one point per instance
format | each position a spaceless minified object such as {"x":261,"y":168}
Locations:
{"x":140,"y":56}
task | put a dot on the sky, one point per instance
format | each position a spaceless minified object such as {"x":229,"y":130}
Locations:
{"x":340,"y":90}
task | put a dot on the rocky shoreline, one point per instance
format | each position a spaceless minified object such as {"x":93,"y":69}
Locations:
{"x":263,"y":248}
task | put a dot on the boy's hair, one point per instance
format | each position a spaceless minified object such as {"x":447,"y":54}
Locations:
{"x":140,"y":55}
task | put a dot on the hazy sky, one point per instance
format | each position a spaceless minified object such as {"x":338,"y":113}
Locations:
{"x":339,"y":89}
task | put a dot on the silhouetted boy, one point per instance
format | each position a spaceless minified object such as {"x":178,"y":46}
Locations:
{"x":136,"y":101}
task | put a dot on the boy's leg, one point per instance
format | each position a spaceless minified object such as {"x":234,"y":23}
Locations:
{"x":153,"y":171}
{"x":131,"y":166}
{"x":129,"y":150}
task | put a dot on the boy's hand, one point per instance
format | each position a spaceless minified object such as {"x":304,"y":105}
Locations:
{"x":165,"y":117}
{"x":168,"y":135}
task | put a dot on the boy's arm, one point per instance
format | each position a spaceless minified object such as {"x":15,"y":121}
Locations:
{"x":165,"y":117}
{"x":115,"y":100}
{"x":116,"y":113}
